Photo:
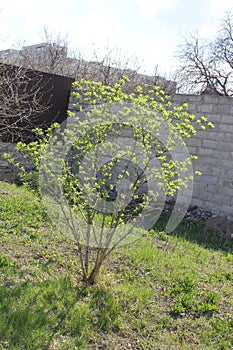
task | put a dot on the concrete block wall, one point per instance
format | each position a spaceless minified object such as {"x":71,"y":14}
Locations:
{"x":213,"y":190}
{"x":7,"y":171}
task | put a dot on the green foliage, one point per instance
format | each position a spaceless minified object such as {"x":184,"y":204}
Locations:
{"x":106,"y":309}
{"x":73,"y":175}
{"x":22,"y":215}
{"x":31,"y":152}
{"x":5,"y":262}
{"x":187,"y":299}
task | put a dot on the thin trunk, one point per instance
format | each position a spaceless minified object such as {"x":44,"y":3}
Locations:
{"x":87,"y":242}
{"x":98,"y":263}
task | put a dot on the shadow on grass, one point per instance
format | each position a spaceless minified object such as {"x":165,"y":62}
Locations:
{"x":53,"y":314}
{"x":195,"y":233}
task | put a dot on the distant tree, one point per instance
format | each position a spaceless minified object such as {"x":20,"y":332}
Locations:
{"x":106,"y":66}
{"x":207,"y":65}
{"x":112,"y":64}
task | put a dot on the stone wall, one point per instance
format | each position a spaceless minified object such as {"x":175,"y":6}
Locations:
{"x":7,"y":171}
{"x":213,"y":190}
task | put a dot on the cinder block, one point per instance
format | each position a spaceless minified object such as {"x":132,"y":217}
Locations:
{"x":192,"y":150}
{"x":197,"y":202}
{"x":205,"y":151}
{"x":213,"y":207}
{"x":213,"y":188}
{"x":213,"y":100}
{"x":217,"y":172}
{"x":228,"y":174}
{"x":209,"y":179}
{"x":214,"y":118}
{"x":227,"y":164}
{"x":226,"y":209}
{"x":210,"y":144}
{"x":225,"y":146}
{"x":212,"y":134}
{"x":226,"y":128}
{"x":223,"y":109}
{"x":228,"y":192}
{"x":221,"y":199}
{"x":204,"y":169}
{"x":194,"y":98}
{"x":226,"y":119}
{"x":223,"y":136}
{"x":205,"y":108}
{"x":221,"y":154}
{"x":205,"y":196}
{"x":211,"y":161}
{"x":193,"y":142}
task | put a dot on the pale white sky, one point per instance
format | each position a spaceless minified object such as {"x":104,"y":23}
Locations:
{"x":149,"y":29}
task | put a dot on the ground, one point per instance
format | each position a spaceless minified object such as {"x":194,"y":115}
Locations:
{"x":161,"y":292}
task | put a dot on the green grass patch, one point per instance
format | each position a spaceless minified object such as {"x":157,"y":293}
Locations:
{"x":160,"y":292}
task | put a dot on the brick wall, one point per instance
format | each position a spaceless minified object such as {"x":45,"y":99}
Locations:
{"x":213,"y":190}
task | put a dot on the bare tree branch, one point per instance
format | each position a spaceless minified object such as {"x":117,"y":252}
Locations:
{"x":207,"y":66}
{"x":22,"y":101}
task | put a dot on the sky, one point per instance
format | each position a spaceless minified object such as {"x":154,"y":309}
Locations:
{"x":150,"y":30}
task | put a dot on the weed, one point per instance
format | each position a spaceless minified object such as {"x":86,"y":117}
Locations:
{"x":5,"y":262}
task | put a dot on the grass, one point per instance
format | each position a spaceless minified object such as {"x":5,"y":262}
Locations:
{"x":160,"y":292}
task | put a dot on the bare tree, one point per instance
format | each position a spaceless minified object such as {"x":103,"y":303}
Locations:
{"x":111,"y":65}
{"x":207,"y":65}
{"x":23,"y":99}
{"x":166,"y":82}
